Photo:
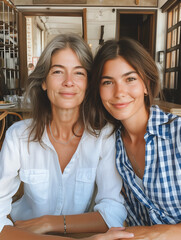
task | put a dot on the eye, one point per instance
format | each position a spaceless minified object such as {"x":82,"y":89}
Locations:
{"x":80,"y":73}
{"x":106,"y":82}
{"x":57,"y":72}
{"x":130,"y":79}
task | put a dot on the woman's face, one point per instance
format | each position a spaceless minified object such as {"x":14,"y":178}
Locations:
{"x":122,"y":90}
{"x":66,"y":81}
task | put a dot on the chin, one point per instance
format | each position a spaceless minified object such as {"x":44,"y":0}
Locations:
{"x":119,"y":116}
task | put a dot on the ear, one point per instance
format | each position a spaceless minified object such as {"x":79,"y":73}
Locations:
{"x":44,"y":86}
{"x":145,"y":91}
{"x":146,"y":87}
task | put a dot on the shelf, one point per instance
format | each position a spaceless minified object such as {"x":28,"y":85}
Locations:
{"x":6,"y":26}
{"x":9,"y":49}
{"x":11,"y":69}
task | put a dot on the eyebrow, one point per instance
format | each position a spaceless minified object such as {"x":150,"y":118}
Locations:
{"x":61,"y":66}
{"x":107,"y":77}
{"x":128,"y":73}
{"x":124,"y":75}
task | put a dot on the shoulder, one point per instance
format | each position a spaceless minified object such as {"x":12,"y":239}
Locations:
{"x":163,"y":124}
{"x":20,"y":128}
{"x":106,"y":132}
{"x":159,"y":117}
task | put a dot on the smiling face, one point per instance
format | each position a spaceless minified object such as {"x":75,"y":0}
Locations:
{"x":66,"y":81}
{"x":122,"y":90}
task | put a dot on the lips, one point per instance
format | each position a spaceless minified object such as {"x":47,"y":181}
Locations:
{"x":120,"y":105}
{"x":67,"y":94}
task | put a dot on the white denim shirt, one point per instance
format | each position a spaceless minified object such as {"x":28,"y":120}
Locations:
{"x":49,"y":192}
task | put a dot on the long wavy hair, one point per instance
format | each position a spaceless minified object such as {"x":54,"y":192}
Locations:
{"x":41,"y":106}
{"x":135,"y":54}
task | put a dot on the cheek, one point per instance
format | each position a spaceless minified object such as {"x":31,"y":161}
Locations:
{"x":83,"y":86}
{"x":138,"y":91}
{"x":52,"y":84}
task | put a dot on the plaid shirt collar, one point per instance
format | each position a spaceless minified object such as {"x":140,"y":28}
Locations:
{"x":157,"y":118}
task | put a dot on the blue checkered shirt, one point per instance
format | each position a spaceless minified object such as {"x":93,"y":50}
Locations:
{"x":159,"y":202}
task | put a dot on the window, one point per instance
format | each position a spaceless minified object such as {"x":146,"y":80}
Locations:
{"x":172,"y":79}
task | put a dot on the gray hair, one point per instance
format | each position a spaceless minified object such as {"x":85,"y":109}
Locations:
{"x":41,"y":107}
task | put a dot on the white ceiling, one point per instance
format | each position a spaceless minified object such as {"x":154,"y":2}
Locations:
{"x":59,"y":24}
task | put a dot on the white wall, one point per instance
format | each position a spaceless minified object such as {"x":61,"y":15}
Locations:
{"x":161,"y":41}
{"x":104,"y":16}
{"x":97,"y":17}
{"x":161,"y":38}
{"x":161,"y":2}
{"x":36,"y":47}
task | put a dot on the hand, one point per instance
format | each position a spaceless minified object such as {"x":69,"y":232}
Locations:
{"x":111,"y":234}
{"x":36,"y":225}
{"x":156,"y":232}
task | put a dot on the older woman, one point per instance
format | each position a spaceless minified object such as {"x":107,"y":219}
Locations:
{"x":58,"y":161}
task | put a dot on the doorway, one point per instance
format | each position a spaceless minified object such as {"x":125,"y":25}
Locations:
{"x":40,"y":30}
{"x":139,"y":25}
{"x":44,"y":16}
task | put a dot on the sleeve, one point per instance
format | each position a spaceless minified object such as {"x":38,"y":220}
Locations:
{"x":109,"y":201}
{"x":9,"y":179}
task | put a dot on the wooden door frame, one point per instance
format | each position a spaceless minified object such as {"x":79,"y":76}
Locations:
{"x":22,"y":33}
{"x":153,"y":13}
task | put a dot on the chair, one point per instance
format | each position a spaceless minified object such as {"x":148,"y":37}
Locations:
{"x":3,"y":120}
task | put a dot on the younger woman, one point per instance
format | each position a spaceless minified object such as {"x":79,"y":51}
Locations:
{"x":148,"y":140}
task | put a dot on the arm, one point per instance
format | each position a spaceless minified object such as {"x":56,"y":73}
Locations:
{"x":109,"y":201}
{"x":87,"y":222}
{"x":14,"y":233}
{"x":9,"y":233}
{"x":156,"y":232}
{"x":9,"y":179}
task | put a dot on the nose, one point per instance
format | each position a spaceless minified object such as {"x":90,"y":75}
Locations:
{"x":120,"y":90}
{"x":68,"y":81}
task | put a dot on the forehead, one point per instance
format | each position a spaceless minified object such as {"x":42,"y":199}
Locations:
{"x":118,"y":64}
{"x":66,"y":51}
{"x":66,"y":55}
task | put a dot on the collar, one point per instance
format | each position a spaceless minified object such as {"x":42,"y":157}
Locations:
{"x":158,"y":124}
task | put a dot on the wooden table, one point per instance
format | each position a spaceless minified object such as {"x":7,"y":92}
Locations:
{"x":74,"y":235}
{"x":25,"y":112}
{"x":169,"y":107}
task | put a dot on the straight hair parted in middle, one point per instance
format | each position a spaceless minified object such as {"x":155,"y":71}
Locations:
{"x":135,"y":54}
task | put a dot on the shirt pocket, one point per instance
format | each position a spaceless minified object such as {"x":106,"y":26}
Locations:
{"x":36,"y":183}
{"x":84,"y":186}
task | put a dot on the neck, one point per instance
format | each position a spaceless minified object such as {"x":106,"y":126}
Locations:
{"x":62,"y":124}
{"x":134,"y":129}
{"x":65,"y":116}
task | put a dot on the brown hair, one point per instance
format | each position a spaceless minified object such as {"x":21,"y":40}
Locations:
{"x":134,"y":53}
{"x":41,"y":107}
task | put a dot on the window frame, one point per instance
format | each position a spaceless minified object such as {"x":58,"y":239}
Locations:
{"x":172,"y":79}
